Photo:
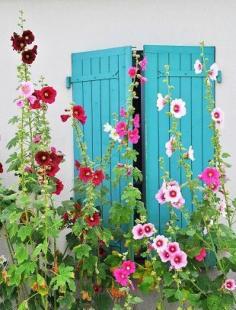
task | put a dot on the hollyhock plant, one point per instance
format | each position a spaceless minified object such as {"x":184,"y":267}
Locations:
{"x":170,"y":146}
{"x":138,"y":232}
{"x":132,"y":72}
{"x":177,"y":108}
{"x":210,"y":175}
{"x":161,"y":102}
{"x":107,"y":127}
{"x":149,"y":229}
{"x":121,"y":128}
{"x":143,"y":64}
{"x":172,"y":192}
{"x":59,"y":186}
{"x":18,"y":42}
{"x":133,"y":136}
{"x":114,"y":135}
{"x":201,"y":255}
{"x":190,"y":153}
{"x":173,"y":247}
{"x":42,"y":158}
{"x":217,"y":116}
{"x":28,"y":56}
{"x":93,"y":220}
{"x":20,"y":103}
{"x":178,"y":260}
{"x":160,"y":243}
{"x":164,"y":256}
{"x":28,"y":36}
{"x":229,"y":284}
{"x":136,"y":120}
{"x":198,"y":67}
{"x":179,"y":204}
{"x":85,"y":174}
{"x":98,"y":177}
{"x":79,"y":114}
{"x":213,"y":72}
{"x":26,"y":89}
{"x":123,"y":112}
{"x":37,"y":138}
{"x":160,"y":195}
{"x":65,"y":117}
{"x":121,"y":276}
{"x":48,"y":94}
{"x":128,"y":266}
{"x":142,"y":79}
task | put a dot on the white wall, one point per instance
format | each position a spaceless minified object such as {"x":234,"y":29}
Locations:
{"x":65,"y":26}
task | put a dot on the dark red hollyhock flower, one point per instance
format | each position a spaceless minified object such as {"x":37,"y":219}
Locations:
{"x":56,"y":159}
{"x":42,"y":158}
{"x":98,"y":177}
{"x":64,"y":117}
{"x":85,"y":174}
{"x":48,"y":94}
{"x":28,"y":36}
{"x":93,"y":220}
{"x":18,"y":43}
{"x":36,"y":105}
{"x":77,"y":164}
{"x":29,"y":56}
{"x":1,"y":168}
{"x":59,"y":186}
{"x":37,"y":94}
{"x":79,"y":113}
{"x":78,"y":207}
{"x":65,"y":216}
{"x":97,"y":288}
{"x":52,"y":170}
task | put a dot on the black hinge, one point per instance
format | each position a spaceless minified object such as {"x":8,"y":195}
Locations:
{"x":68,"y":82}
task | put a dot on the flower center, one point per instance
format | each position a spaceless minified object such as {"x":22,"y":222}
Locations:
{"x":140,"y":231}
{"x":147,"y":229}
{"x":167,"y":255}
{"x":27,"y":56}
{"x":22,"y":44}
{"x":172,"y":249}
{"x":87,"y":174}
{"x":46,"y":94}
{"x":173,"y":193}
{"x":176,"y":108}
{"x":159,"y":243}
{"x":229,"y":284}
{"x":44,"y":157}
{"x":210,"y":174}
{"x":92,"y":218}
{"x":27,"y":38}
{"x":128,"y":267}
{"x":177,"y":259}
{"x":217,"y":114}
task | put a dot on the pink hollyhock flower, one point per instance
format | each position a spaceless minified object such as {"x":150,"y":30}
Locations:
{"x":121,"y":128}
{"x":172,"y":248}
{"x":210,"y":175}
{"x":172,"y":193}
{"x":128,"y":266}
{"x":179,"y":260}
{"x":149,"y":229}
{"x":143,"y":63}
{"x":215,"y":186}
{"x":164,"y":256}
{"x":133,"y":136}
{"x":179,"y":204}
{"x":170,"y":146}
{"x":121,"y":276}
{"x":160,"y":243}
{"x":132,"y":72}
{"x":160,"y":196}
{"x":217,"y":115}
{"x":198,"y":66}
{"x":201,"y":255}
{"x":222,"y":208}
{"x":177,"y":108}
{"x":26,"y":89}
{"x":36,"y":138}
{"x":123,"y":112}
{"x":138,"y":232}
{"x":20,"y":103}
{"x":136,"y":121}
{"x":161,"y":101}
{"x":190,"y":153}
{"x":229,"y":284}
{"x":213,"y":72}
{"x":143,"y":79}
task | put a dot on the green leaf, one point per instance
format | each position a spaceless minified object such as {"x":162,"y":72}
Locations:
{"x":23,"y":305}
{"x":82,"y":251}
{"x":147,"y":284}
{"x":21,"y":254}
{"x":215,"y":302}
{"x":24,"y":232}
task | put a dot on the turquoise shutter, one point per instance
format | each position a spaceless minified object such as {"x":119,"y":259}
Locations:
{"x":100,"y":83}
{"x":194,"y":126}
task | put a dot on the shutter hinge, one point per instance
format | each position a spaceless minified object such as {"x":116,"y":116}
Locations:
{"x":219,"y":77}
{"x":68,"y":82}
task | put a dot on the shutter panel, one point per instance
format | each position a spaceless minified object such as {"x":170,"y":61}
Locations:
{"x":100,"y":83}
{"x":194,"y":125}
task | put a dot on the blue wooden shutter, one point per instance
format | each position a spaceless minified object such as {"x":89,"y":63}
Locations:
{"x":100,"y":83}
{"x":194,"y":126}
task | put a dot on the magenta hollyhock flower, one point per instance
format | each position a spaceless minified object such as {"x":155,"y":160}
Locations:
{"x":164,"y":256}
{"x":217,"y":115}
{"x":177,"y":108}
{"x":36,"y":138}
{"x":210,"y":175}
{"x":20,"y":103}
{"x":123,"y":112}
{"x":215,"y":186}
{"x":143,"y":63}
{"x":201,"y":255}
{"x":138,"y":232}
{"x":133,"y":136}
{"x":143,"y":79}
{"x":128,"y":266}
{"x":198,"y":66}
{"x":160,"y":243}
{"x":179,"y":260}
{"x":132,"y":72}
{"x":26,"y":89}
{"x":121,"y":128}
{"x":121,"y":276}
{"x":136,"y":121}
{"x":149,"y":229}
{"x":172,"y":248}
{"x":229,"y":284}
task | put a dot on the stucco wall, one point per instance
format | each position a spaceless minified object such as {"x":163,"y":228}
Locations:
{"x":65,"y":26}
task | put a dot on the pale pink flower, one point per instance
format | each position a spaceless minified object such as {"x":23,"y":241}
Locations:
{"x":177,"y":108}
{"x":36,"y":138}
{"x":160,"y":196}
{"x":143,"y":63}
{"x":121,"y":128}
{"x":161,"y":102}
{"x":201,"y":255}
{"x":133,"y":136}
{"x":160,"y":243}
{"x":123,"y":112}
{"x":229,"y":284}
{"x":121,"y":276}
{"x":143,"y":79}
{"x":149,"y":229}
{"x":170,"y":146}
{"x":32,"y":99}
{"x":190,"y":153}
{"x":26,"y":89}
{"x":210,"y":175}
{"x":138,"y":232}
{"x":222,"y":207}
{"x":179,"y":204}
{"x":172,"y":248}
{"x":217,"y":115}
{"x":164,"y":256}
{"x":136,"y":121}
{"x":132,"y":72}
{"x":172,"y":193}
{"x":20,"y":103}
{"x":198,"y":66}
{"x":213,"y":72}
{"x":128,"y":266}
{"x":179,"y":260}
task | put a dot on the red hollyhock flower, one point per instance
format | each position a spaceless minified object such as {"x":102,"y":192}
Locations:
{"x":52,"y":170}
{"x":65,"y":216}
{"x":42,"y":158}
{"x":56,"y":159}
{"x":93,"y":220}
{"x":79,"y":113}
{"x":28,"y":36}
{"x":35,"y":105}
{"x":1,"y":168}
{"x":64,"y":117}
{"x":59,"y":186}
{"x":28,"y":57}
{"x":48,"y":94}
{"x":77,"y":164}
{"x":97,"y":288}
{"x":37,"y":94}
{"x":85,"y":174}
{"x":18,"y":43}
{"x":98,"y":177}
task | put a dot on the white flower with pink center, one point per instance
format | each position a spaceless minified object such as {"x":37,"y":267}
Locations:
{"x":217,"y":115}
{"x":222,"y":207}
{"x":172,"y":193}
{"x":177,"y":108}
{"x":160,"y":243}
{"x":190,"y":153}
{"x":161,"y":102}
{"x":213,"y":72}
{"x":198,"y":66}
{"x":170,"y":146}
{"x":179,"y":260}
{"x":172,"y":248}
{"x":26,"y":89}
{"x":160,"y":196}
{"x":138,"y":232}
{"x":149,"y":229}
{"x":179,"y":204}
{"x":229,"y":284}
{"x":164,"y":256}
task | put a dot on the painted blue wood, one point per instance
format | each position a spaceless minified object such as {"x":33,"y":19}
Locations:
{"x":100,"y":83}
{"x":193,"y":126}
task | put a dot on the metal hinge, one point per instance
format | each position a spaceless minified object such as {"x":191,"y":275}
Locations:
{"x":68,"y":82}
{"x":219,"y":77}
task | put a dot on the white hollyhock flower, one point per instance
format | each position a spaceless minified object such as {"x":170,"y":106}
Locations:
{"x":217,"y":115}
{"x":107,"y":127}
{"x":114,"y":135}
{"x":198,"y":66}
{"x":161,"y":101}
{"x":177,"y":108}
{"x":213,"y":71}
